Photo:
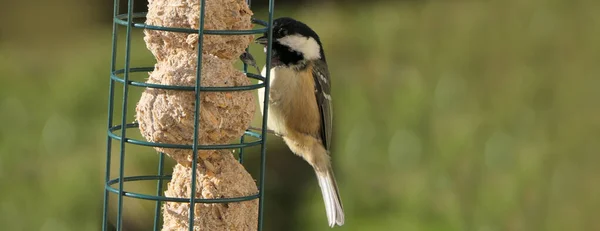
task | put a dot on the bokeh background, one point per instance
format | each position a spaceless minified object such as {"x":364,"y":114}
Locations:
{"x":449,"y":115}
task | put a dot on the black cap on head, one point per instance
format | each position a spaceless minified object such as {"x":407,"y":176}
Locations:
{"x":288,"y":26}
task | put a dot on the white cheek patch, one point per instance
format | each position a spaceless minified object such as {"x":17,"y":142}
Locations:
{"x":308,"y":46}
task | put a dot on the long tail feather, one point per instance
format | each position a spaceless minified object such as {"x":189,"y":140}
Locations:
{"x":331,"y":198}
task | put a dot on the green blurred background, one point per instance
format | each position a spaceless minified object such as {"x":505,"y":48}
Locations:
{"x":449,"y":115}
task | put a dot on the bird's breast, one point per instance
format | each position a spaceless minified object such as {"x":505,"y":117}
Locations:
{"x":292,"y":102}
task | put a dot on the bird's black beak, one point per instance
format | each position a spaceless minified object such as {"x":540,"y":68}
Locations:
{"x":262,"y":40}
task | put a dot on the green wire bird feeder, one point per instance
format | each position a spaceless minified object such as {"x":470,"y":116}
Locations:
{"x":193,"y":105}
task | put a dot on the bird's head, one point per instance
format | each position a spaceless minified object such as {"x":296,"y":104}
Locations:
{"x":294,"y":43}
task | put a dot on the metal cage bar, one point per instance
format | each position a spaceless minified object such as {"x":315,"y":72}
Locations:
{"x":118,"y":132}
{"x":111,"y":91}
{"x":196,"y":117}
{"x":263,"y":150}
{"x":159,"y":185}
{"x":124,"y":116}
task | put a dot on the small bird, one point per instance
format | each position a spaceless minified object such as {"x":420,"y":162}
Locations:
{"x":300,"y":103}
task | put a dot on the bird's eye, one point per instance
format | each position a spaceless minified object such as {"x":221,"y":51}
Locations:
{"x":282,"y":32}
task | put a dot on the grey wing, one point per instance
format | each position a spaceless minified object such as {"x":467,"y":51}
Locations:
{"x":323,"y":95}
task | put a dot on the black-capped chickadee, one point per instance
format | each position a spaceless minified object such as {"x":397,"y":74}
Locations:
{"x":300,"y":103}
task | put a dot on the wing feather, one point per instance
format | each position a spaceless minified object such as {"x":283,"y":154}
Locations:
{"x":323,"y":95}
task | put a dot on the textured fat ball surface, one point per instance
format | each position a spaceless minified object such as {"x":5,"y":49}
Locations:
{"x":167,"y":116}
{"x":219,"y":15}
{"x":219,"y":175}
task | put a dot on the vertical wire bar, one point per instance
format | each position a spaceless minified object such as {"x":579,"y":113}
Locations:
{"x":263,"y":151}
{"x":159,"y":185}
{"x":124,"y":112}
{"x":246,"y":65}
{"x":241,"y":155}
{"x":196,"y":116}
{"x":111,"y":94}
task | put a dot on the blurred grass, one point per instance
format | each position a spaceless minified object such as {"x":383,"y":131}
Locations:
{"x":454,"y":115}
